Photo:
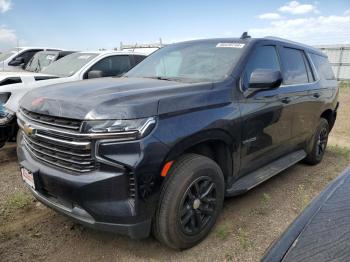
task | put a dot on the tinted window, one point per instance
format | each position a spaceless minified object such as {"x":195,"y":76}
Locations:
{"x":310,"y":74}
{"x":323,"y":67}
{"x":294,"y":67}
{"x":264,"y":57}
{"x":113,"y":65}
{"x":138,"y":58}
{"x":28,"y":55}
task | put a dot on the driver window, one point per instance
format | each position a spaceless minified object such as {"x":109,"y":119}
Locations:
{"x":113,"y":65}
{"x":264,"y":57}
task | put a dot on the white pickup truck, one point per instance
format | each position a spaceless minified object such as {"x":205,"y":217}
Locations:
{"x":73,"y":67}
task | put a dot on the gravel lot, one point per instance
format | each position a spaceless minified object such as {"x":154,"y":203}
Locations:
{"x":247,"y":226}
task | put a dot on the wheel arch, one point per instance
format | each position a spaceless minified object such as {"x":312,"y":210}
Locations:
{"x":217,"y":145}
{"x":330,"y":116}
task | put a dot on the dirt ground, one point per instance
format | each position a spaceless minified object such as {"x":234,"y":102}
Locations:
{"x":247,"y":226}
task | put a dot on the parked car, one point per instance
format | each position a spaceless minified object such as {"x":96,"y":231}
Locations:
{"x":30,"y":73}
{"x":320,"y":233}
{"x":17,"y":58}
{"x":73,"y":67}
{"x":161,"y":147}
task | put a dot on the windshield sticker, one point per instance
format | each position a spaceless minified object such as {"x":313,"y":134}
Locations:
{"x":230,"y":45}
{"x":50,"y":57}
{"x":84,"y":57}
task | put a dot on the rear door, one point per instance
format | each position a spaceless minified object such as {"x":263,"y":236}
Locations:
{"x":267,"y":115}
{"x":298,"y":80}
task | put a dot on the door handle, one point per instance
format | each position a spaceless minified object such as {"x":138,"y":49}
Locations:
{"x":286,"y":100}
{"x":316,"y":95}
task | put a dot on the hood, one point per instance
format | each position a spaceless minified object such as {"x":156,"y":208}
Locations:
{"x":119,"y":98}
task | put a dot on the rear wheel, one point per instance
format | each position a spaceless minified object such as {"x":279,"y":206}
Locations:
{"x":191,"y":200}
{"x":320,"y":141}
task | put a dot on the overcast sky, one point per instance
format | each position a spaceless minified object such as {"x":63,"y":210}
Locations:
{"x":86,"y":25}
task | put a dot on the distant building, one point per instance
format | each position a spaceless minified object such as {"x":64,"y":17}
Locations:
{"x":339,"y":57}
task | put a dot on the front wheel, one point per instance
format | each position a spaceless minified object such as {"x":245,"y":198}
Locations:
{"x":191,"y":200}
{"x":319,"y":145}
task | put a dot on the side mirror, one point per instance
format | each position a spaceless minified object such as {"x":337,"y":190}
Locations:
{"x":265,"y":79}
{"x":17,"y":61}
{"x":95,"y":74}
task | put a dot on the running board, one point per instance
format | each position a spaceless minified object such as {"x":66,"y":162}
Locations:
{"x":257,"y":177}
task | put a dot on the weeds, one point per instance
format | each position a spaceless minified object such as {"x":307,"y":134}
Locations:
{"x":265,"y":199}
{"x":263,"y":208}
{"x":243,"y":238}
{"x":18,"y":200}
{"x":340,"y":150}
{"x":223,"y":231}
{"x":228,"y":257}
{"x":344,"y":84}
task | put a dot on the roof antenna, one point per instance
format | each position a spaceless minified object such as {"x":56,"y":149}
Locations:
{"x":245,"y":35}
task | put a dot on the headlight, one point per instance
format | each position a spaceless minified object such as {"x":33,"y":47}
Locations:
{"x":121,"y":129}
{"x":4,"y":97}
{"x":6,"y":115}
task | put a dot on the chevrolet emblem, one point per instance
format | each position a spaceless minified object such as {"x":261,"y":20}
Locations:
{"x":28,"y":130}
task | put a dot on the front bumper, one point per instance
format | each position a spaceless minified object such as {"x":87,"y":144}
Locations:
{"x":100,"y":199}
{"x":136,"y":231}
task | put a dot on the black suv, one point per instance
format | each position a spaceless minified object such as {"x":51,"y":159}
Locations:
{"x":160,"y":148}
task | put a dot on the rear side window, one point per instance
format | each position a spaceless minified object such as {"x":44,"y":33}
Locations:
{"x":264,"y":57}
{"x":323,"y":67}
{"x":294,"y":67}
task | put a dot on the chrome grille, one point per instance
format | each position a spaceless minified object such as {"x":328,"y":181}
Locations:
{"x":56,"y":146}
{"x":61,"y":122}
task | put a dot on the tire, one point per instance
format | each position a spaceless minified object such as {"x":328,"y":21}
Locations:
{"x":2,"y":144}
{"x":319,"y":143}
{"x":189,"y":174}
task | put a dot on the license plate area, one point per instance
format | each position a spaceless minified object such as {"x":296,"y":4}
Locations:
{"x":28,"y":177}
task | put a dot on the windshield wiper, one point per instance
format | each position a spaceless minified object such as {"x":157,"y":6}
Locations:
{"x":164,"y":78}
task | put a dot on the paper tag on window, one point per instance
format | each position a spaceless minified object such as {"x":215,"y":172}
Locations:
{"x":230,"y":45}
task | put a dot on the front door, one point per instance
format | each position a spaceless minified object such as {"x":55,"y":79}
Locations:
{"x":267,"y":115}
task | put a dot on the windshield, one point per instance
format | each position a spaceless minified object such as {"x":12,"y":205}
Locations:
{"x":69,"y":65}
{"x":40,"y":61}
{"x":8,"y":53}
{"x":190,"y":62}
